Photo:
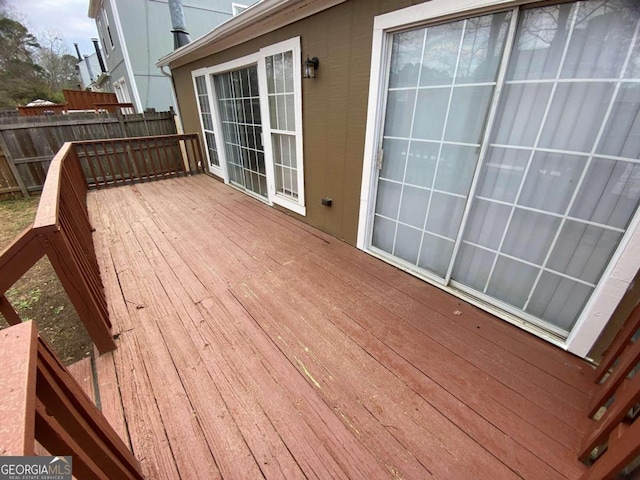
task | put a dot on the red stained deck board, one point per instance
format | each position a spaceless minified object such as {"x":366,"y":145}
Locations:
{"x":566,"y":402}
{"x":364,"y":328}
{"x":82,"y":372}
{"x":310,"y":358}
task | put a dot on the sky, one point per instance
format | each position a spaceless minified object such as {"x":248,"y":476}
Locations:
{"x":66,"y":19}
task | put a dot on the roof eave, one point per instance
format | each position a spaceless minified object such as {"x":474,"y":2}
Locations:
{"x":94,"y":6}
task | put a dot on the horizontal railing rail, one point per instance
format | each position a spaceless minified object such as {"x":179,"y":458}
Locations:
{"x":613,"y":442}
{"x":43,"y":402}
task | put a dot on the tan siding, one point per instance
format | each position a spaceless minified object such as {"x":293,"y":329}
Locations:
{"x":334,"y":105}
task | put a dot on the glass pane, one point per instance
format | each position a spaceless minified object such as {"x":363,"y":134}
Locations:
{"x":621,"y":137}
{"x":551,"y":181}
{"x":288,"y":71}
{"x":455,"y":168}
{"x":540,"y":42}
{"x":422,"y":157}
{"x":270,"y":81}
{"x":558,"y":300}
{"x":388,"y":200}
{"x":395,"y":154}
{"x":407,"y":243}
{"x":284,"y":157}
{"x":399,"y":114}
{"x":583,"y":251}
{"x":421,"y":164}
{"x":383,"y":234}
{"x":520,"y":113}
{"x":464,"y":124}
{"x":445,"y":214}
{"x":512,"y":281}
{"x":441,"y":53}
{"x":530,"y":235}
{"x":601,"y":39}
{"x":481,"y":51}
{"x":435,"y":254}
{"x":576,"y":128}
{"x":413,"y":207}
{"x":502,"y":173}
{"x":487,"y":221}
{"x":610,"y":193}
{"x":406,"y":56}
{"x":473,"y":266}
{"x":431,"y":111}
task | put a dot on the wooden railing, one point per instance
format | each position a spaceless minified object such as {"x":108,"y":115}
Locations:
{"x":130,"y":160}
{"x":62,"y":230}
{"x":614,"y":440}
{"x":41,"y":401}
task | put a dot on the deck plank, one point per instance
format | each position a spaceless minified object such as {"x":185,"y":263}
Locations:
{"x":263,"y":348}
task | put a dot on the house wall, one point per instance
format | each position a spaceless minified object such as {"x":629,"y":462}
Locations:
{"x":147,"y":30}
{"x":113,"y":57}
{"x":334,"y":115}
{"x":334,"y":105}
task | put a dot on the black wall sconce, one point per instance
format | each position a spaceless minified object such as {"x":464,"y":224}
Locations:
{"x":310,"y":67}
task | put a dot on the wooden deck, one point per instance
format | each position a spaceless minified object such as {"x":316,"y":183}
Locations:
{"x":251,"y":345}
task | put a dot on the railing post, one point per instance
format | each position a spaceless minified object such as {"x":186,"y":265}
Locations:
{"x":18,"y":348}
{"x":94,"y":316}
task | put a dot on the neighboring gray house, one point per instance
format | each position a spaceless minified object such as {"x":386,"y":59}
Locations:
{"x":135,"y":33}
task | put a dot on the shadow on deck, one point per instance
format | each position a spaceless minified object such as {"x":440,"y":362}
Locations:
{"x":251,"y":345}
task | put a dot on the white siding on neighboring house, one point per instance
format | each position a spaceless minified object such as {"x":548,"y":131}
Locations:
{"x":141,"y":33}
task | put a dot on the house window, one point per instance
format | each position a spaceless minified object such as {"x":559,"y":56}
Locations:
{"x":206,"y":119}
{"x":257,"y":112}
{"x":101,"y":32}
{"x":107,"y":29}
{"x":281,"y":93}
{"x":122,"y":94}
{"x":237,"y":8}
{"x":510,"y":168}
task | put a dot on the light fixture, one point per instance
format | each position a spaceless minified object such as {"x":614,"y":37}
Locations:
{"x":310,"y":67}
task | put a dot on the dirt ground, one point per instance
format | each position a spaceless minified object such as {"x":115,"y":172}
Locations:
{"x":39,"y":296}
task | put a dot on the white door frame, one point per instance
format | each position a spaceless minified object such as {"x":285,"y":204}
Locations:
{"x":619,"y":274}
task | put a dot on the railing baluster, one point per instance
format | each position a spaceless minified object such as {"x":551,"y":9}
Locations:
{"x":8,"y":312}
{"x":146,"y":148}
{"x":90,"y":165}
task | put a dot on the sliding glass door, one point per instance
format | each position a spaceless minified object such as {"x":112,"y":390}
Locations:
{"x":239,"y":107}
{"x":511,"y":154}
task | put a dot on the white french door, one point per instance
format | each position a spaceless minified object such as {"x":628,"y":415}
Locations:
{"x":510,"y":147}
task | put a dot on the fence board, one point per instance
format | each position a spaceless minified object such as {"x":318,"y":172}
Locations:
{"x":29,"y":143}
{"x":9,"y":187}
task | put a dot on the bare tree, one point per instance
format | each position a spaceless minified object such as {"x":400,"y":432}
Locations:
{"x":56,"y":60}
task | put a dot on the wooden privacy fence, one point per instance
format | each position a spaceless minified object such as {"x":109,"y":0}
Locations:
{"x":614,"y":439}
{"x":29,"y":143}
{"x":42,"y":401}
